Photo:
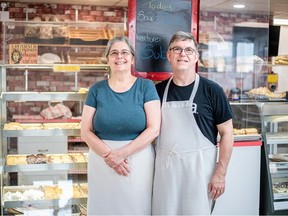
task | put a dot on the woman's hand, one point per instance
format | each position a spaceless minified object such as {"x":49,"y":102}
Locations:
{"x":114,"y":158}
{"x":123,"y":169}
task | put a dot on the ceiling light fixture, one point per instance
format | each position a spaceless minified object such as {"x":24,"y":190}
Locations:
{"x":239,"y":6}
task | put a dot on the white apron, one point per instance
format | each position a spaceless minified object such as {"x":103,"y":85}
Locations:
{"x":185,"y":161}
{"x":111,"y":194}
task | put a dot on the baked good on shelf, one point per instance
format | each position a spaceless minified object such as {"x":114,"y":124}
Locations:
{"x":281,"y":60}
{"x":13,"y":126}
{"x":28,"y":194}
{"x":281,"y":187}
{"x":66,"y":158}
{"x":52,"y":192}
{"x":57,"y":111}
{"x":245,"y":131}
{"x":52,"y":159}
{"x":61,"y":126}
{"x":278,"y":158}
{"x":59,"y":31}
{"x":76,"y":192}
{"x":22,"y":126}
{"x":259,"y":91}
{"x":33,"y":29}
{"x":78,"y":157}
{"x":32,"y":126}
{"x":84,"y":189}
{"x":251,"y":131}
{"x":31,"y":159}
{"x":276,"y":94}
{"x":36,"y":159}
{"x":239,"y":131}
{"x":264,"y":91}
{"x":59,"y":158}
{"x":46,"y":32}
{"x":11,"y":161}
{"x":110,"y":33}
{"x":49,"y":192}
{"x":16,"y":160}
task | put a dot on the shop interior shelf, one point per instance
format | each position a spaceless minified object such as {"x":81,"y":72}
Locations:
{"x":43,"y":132}
{"x":44,"y":167}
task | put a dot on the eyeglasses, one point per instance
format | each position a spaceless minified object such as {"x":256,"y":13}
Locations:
{"x":124,"y":53}
{"x":187,"y":50}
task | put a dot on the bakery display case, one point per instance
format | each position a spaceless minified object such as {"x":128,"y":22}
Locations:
{"x":274,"y":172}
{"x":246,"y":121}
{"x":244,"y":165}
{"x":46,"y":71}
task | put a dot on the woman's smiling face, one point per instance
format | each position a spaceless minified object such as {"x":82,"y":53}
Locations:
{"x":120,"y":57}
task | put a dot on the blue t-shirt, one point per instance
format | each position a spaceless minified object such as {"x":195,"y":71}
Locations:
{"x":120,"y":116}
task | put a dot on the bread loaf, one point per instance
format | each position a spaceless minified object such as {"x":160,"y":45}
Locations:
{"x":16,"y":160}
{"x":52,"y":192}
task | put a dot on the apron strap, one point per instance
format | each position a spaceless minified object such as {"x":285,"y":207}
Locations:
{"x":166,"y":90}
{"x":194,"y":91}
{"x":195,"y":88}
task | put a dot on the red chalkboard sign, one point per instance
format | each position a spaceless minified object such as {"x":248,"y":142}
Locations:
{"x":151,"y":24}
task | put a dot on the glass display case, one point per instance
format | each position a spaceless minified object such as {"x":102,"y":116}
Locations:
{"x":243,"y":174}
{"x":46,"y":72}
{"x":234,"y":49}
{"x":274,"y":172}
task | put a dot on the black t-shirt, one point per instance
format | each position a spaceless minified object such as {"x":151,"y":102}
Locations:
{"x":213,"y":107}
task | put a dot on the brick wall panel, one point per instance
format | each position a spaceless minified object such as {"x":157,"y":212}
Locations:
{"x":58,"y":11}
{"x":49,"y":81}
{"x":96,"y":13}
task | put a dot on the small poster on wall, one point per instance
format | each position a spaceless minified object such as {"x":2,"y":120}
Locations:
{"x":23,"y":54}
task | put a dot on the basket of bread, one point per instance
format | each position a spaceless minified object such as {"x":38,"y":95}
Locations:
{"x":46,"y":30}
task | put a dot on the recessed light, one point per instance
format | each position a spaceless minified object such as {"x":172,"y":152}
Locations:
{"x":239,"y":6}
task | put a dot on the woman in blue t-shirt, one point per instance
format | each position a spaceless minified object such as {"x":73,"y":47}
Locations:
{"x":120,"y":119}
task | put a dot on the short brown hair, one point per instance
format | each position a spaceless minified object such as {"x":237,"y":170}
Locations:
{"x":183,"y":36}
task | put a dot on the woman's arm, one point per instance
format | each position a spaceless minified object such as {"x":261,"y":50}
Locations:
{"x":153,"y":119}
{"x":88,"y":135}
{"x":96,"y":144}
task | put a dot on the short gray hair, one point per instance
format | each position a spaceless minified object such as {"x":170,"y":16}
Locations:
{"x":183,"y":36}
{"x":119,"y":39}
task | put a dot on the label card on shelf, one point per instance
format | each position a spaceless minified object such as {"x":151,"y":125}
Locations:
{"x":66,"y":68}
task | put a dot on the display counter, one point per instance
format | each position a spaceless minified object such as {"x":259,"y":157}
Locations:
{"x":274,"y":169}
{"x":242,"y":190}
